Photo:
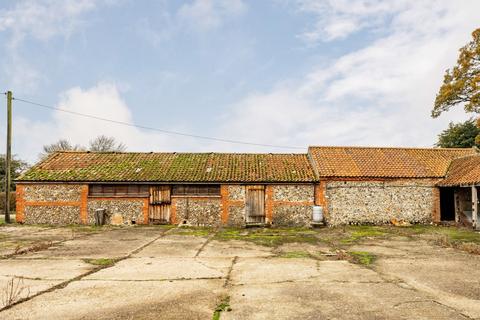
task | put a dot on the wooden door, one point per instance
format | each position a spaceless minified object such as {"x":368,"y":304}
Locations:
{"x":255,"y":204}
{"x":159,"y":208}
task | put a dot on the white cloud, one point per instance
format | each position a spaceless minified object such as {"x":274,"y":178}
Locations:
{"x":38,"y":20}
{"x":104,"y":101}
{"x":337,"y":19}
{"x":381,"y":94}
{"x":205,"y":15}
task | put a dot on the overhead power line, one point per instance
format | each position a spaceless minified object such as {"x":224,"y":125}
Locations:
{"x":157,"y":129}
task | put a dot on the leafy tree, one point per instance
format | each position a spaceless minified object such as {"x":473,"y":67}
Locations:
{"x":461,"y":85}
{"x":17,"y":167}
{"x":60,"y":145}
{"x":103,"y":144}
{"x":459,"y":135}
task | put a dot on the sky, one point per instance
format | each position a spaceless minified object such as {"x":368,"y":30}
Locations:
{"x":282,"y":73}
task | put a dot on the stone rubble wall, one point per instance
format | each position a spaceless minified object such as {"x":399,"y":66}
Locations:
{"x":199,"y":211}
{"x":236,"y":192}
{"x":52,"y":192}
{"x":236,"y":216}
{"x":292,"y":215}
{"x":378,"y":202}
{"x":293,"y":193}
{"x":119,"y":211}
{"x":61,"y":215}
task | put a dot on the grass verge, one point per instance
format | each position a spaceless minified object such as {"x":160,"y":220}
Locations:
{"x":270,"y":237}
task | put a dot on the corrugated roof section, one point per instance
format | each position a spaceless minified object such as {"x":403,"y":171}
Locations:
{"x":172,"y":167}
{"x":384,"y":162}
{"x":463,"y":172}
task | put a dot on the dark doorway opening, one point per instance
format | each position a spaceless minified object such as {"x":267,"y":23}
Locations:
{"x":447,"y":204}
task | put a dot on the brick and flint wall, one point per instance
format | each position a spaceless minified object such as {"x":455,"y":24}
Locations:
{"x":285,"y":205}
{"x":288,"y":205}
{"x":379,"y":201}
{"x":70,"y":204}
{"x":344,"y":202}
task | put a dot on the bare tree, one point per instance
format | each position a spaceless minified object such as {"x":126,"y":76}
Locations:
{"x":60,"y":145}
{"x":104,"y":144}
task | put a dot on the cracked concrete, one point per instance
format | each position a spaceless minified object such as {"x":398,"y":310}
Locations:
{"x":167,"y":275}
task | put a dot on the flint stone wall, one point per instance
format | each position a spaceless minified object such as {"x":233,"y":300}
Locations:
{"x":52,"y":215}
{"x":52,"y":192}
{"x":292,"y":216}
{"x":293,"y":193}
{"x":236,"y":192}
{"x":374,"y":202}
{"x":236,"y":216}
{"x":129,"y":209}
{"x":199,"y":212}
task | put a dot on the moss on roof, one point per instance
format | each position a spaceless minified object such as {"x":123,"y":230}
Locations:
{"x":171,"y":167}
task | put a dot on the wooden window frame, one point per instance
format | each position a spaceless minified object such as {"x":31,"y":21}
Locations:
{"x":118,"y":191}
{"x":196,"y":190}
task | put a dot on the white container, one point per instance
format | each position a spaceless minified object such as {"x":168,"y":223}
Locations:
{"x":317,"y":214}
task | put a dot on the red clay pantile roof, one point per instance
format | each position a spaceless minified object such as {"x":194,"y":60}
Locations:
{"x":172,"y":167}
{"x":462,"y":172}
{"x":383,"y":162}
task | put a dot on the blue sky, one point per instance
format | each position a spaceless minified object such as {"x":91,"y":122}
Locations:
{"x":278,"y":72}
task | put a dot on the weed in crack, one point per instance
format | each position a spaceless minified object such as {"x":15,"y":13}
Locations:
{"x":13,"y":291}
{"x":223,"y":306}
{"x":104,"y":262}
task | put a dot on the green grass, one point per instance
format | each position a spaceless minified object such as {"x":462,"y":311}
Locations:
{"x":294,"y":254}
{"x":362,"y":257}
{"x":194,"y":231}
{"x":104,"y":262}
{"x":224,"y":305}
{"x":270,"y":237}
{"x":357,"y":233}
{"x":460,"y":235}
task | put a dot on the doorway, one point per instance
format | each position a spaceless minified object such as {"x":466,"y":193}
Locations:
{"x":447,"y":204}
{"x":159,"y":206}
{"x":255,"y":205}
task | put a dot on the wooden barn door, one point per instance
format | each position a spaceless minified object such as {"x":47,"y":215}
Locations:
{"x":255,"y":205}
{"x":159,"y":209}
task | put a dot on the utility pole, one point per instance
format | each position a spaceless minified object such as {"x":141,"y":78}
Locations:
{"x":8,"y":157}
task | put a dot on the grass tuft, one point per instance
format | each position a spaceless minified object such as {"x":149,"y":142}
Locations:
{"x":362,"y":257}
{"x":104,"y":262}
{"x":224,"y":305}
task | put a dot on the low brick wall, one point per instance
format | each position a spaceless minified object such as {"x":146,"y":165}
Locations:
{"x":378,"y":202}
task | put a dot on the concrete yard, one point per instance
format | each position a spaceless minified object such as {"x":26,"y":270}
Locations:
{"x":160,"y":272}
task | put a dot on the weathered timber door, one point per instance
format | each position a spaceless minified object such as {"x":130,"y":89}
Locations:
{"x":255,"y":205}
{"x":159,"y":208}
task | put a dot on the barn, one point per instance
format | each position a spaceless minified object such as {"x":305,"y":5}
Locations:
{"x":353,"y":185}
{"x":211,"y":189}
